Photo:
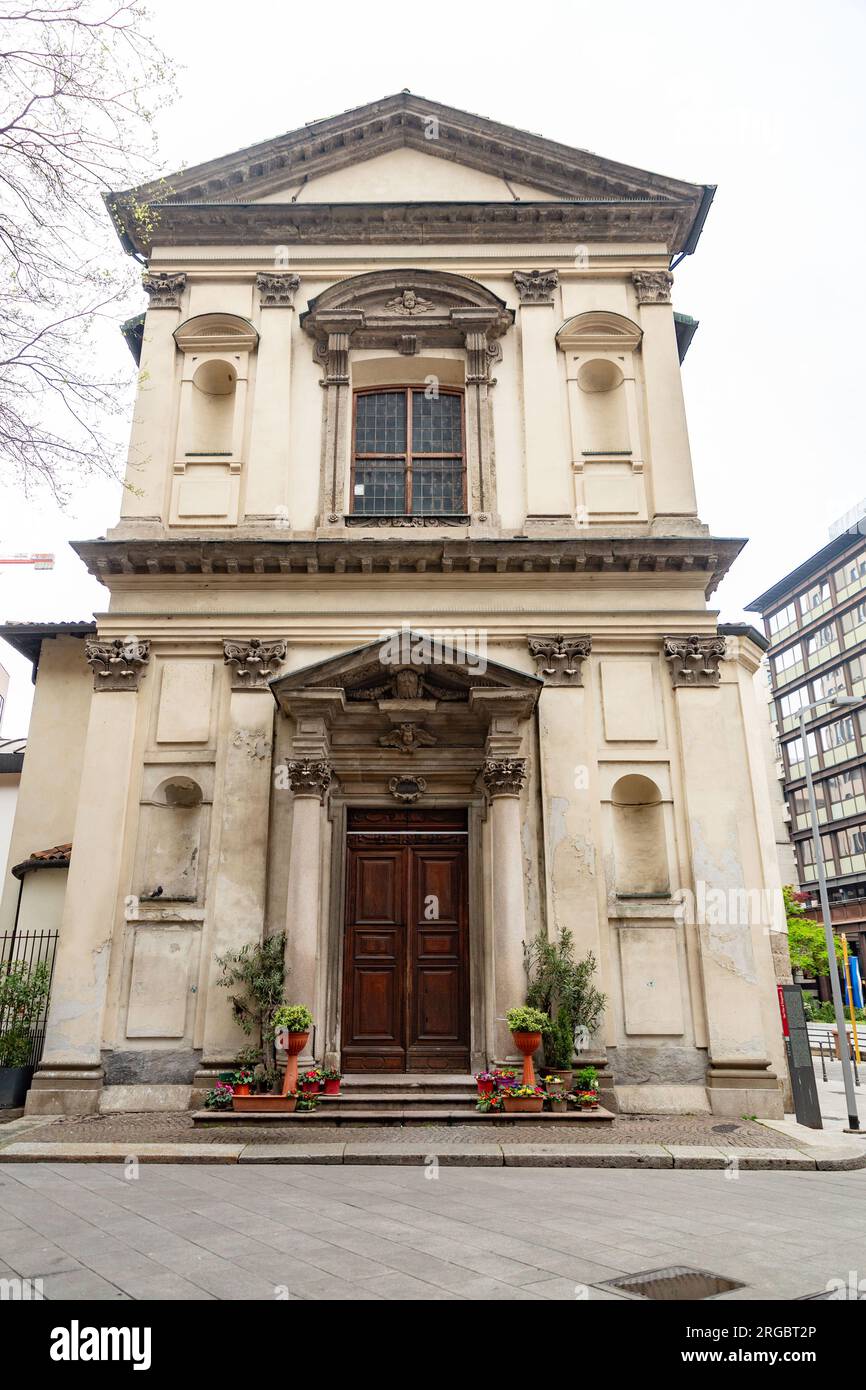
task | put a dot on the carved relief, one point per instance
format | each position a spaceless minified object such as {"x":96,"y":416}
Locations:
{"x":559,"y":660}
{"x":408,"y":738}
{"x":409,"y":302}
{"x":277,"y":289}
{"x":309,"y":778}
{"x":536,"y":286}
{"x":407,"y":683}
{"x":653,"y":286}
{"x":163,"y":290}
{"x":504,"y":776}
{"x":694,"y":660}
{"x":117,"y":665}
{"x":407,"y":788}
{"x":254,"y":662}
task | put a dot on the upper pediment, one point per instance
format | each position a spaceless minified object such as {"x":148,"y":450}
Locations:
{"x":334,"y":178}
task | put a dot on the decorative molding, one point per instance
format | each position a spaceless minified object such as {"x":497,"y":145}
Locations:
{"x":408,"y":738}
{"x":558,"y":660}
{"x":254,"y":662}
{"x":536,"y":286}
{"x":277,"y":288}
{"x":409,"y":302}
{"x":407,"y":788}
{"x":359,"y":519}
{"x":599,"y":330}
{"x":653,"y":286}
{"x":163,"y":289}
{"x":694,"y":660}
{"x":118,"y":664}
{"x":309,"y":777}
{"x":216,"y":332}
{"x":504,"y":776}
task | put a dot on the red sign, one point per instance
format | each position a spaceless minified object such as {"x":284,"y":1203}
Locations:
{"x":783,"y":1011}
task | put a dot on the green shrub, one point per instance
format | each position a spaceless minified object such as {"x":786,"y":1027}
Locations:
{"x":295,"y":1018}
{"x":525,"y":1020}
{"x":257,"y":975}
{"x":23,"y":998}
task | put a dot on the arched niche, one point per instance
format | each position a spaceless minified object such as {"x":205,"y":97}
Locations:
{"x":173,"y":825}
{"x":214,"y":378}
{"x":406,"y":314}
{"x":640,"y":846}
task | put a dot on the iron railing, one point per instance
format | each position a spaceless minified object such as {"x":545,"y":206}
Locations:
{"x":30,"y":948}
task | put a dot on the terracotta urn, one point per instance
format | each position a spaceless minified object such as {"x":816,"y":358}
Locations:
{"x":293,"y":1045}
{"x":527,"y":1043}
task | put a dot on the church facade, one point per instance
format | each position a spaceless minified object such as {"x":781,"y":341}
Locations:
{"x":408,"y":648}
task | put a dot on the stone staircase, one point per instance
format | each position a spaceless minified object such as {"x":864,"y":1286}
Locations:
{"x":410,"y":1099}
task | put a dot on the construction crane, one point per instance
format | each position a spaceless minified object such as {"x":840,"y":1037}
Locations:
{"x":39,"y":562}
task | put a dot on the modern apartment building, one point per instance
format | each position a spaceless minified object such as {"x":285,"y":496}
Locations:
{"x":815,"y":619}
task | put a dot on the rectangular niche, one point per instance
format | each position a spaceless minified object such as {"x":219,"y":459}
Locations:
{"x":164,"y":964}
{"x":651,"y":988}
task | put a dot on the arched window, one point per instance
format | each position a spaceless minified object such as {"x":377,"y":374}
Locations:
{"x":408,"y":453}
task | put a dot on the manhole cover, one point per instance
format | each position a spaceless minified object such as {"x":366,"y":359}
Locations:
{"x":724,"y":1129}
{"x":678,"y":1283}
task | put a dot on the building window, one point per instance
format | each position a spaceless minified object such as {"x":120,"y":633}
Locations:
{"x":851,"y":577}
{"x":789,"y":663}
{"x":837,"y":741}
{"x":830,"y":683}
{"x":815,"y":601}
{"x":408,"y":457}
{"x":783,"y":622}
{"x":789,"y":707}
{"x":854,"y":624}
{"x":822,"y":644}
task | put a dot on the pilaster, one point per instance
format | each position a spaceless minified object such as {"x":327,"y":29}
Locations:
{"x":267,"y":484}
{"x":549,"y":489}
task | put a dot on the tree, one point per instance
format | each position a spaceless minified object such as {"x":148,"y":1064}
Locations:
{"x":806,"y":940}
{"x":562,"y":987}
{"x":79,"y":83}
{"x":257,"y":975}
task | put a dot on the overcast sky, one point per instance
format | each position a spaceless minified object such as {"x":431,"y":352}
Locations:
{"x":765,"y":99}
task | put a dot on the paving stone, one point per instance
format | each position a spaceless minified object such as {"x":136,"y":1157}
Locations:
{"x":81,"y":1284}
{"x":586,"y":1156}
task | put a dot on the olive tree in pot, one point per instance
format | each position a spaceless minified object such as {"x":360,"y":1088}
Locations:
{"x":562,"y":987}
{"x":23,"y":997}
{"x":255,"y":975}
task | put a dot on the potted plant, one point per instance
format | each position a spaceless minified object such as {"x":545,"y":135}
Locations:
{"x":307,"y":1101}
{"x":504,"y":1077}
{"x":558,"y":1102}
{"x":586,"y":1079}
{"x":523,"y":1100}
{"x":282,"y":1104}
{"x":559,"y":1046}
{"x":554,"y":1085}
{"x":527,"y":1026}
{"x":291,"y":1027}
{"x":23,"y":997}
{"x":559,"y":982}
{"x":310,"y":1082}
{"x":331,"y":1080}
{"x":486,"y":1082}
{"x":220,"y":1098}
{"x":242,"y":1083}
{"x":489,"y":1103}
{"x":587,"y":1100}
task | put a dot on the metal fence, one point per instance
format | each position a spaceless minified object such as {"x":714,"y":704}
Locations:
{"x":30,"y":948}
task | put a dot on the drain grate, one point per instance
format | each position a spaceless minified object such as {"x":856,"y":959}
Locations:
{"x":725,"y":1129}
{"x":678,"y":1283}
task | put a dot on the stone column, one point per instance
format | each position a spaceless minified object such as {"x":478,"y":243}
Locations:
{"x":333,"y":353}
{"x":151,"y":444}
{"x":238,"y":888}
{"x":69,"y":1079}
{"x":268,"y":474}
{"x":309,"y":775}
{"x":728,"y":880}
{"x":549,"y":488}
{"x":504,"y":774}
{"x":672,"y":479}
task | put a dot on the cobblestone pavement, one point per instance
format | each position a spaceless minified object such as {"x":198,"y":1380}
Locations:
{"x":99,"y":1231}
{"x":626,"y":1129}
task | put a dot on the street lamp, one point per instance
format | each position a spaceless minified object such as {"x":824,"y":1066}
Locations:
{"x":843,"y":702}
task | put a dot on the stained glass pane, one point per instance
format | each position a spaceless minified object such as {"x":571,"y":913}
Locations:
{"x":435,"y":424}
{"x":380,"y":423}
{"x":437,"y":485}
{"x":380,"y":488}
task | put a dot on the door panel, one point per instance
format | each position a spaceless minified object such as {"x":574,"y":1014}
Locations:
{"x":405,"y":990}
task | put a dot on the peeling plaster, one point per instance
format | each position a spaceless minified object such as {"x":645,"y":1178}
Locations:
{"x":730,"y":944}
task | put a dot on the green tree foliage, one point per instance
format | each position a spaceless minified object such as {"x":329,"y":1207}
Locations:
{"x":256,"y":975}
{"x":806,"y":940}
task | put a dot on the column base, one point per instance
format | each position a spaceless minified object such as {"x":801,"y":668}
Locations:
{"x":745,"y":1089}
{"x":63,"y":1090}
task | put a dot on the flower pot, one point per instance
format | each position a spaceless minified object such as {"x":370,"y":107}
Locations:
{"x":310,"y":1088}
{"x":14,"y":1085}
{"x":566,"y":1077}
{"x":486,"y":1088}
{"x":281,"y":1105}
{"x":293,"y":1045}
{"x":558,"y":1105}
{"x":332,"y":1087}
{"x":527,"y":1043}
{"x":241,"y":1089}
{"x":522,"y":1105}
{"x":503,"y":1083}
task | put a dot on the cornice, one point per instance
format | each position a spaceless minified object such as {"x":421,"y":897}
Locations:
{"x":640,"y":556}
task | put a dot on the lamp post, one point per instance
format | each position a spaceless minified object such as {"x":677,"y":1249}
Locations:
{"x":843,"y":702}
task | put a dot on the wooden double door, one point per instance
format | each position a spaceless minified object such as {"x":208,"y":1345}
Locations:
{"x":406,"y":949}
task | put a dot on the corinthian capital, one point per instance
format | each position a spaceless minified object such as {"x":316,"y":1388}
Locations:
{"x":559,"y":660}
{"x":653,"y":286}
{"x":694,"y":660}
{"x":163,"y":290}
{"x":309,"y":778}
{"x":504,"y":776}
{"x":254,"y":662}
{"x":536,"y":286}
{"x":117,"y":665}
{"x":277,"y":288}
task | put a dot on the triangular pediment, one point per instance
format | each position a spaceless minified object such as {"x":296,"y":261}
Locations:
{"x":409,"y":666}
{"x":407,"y":149}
